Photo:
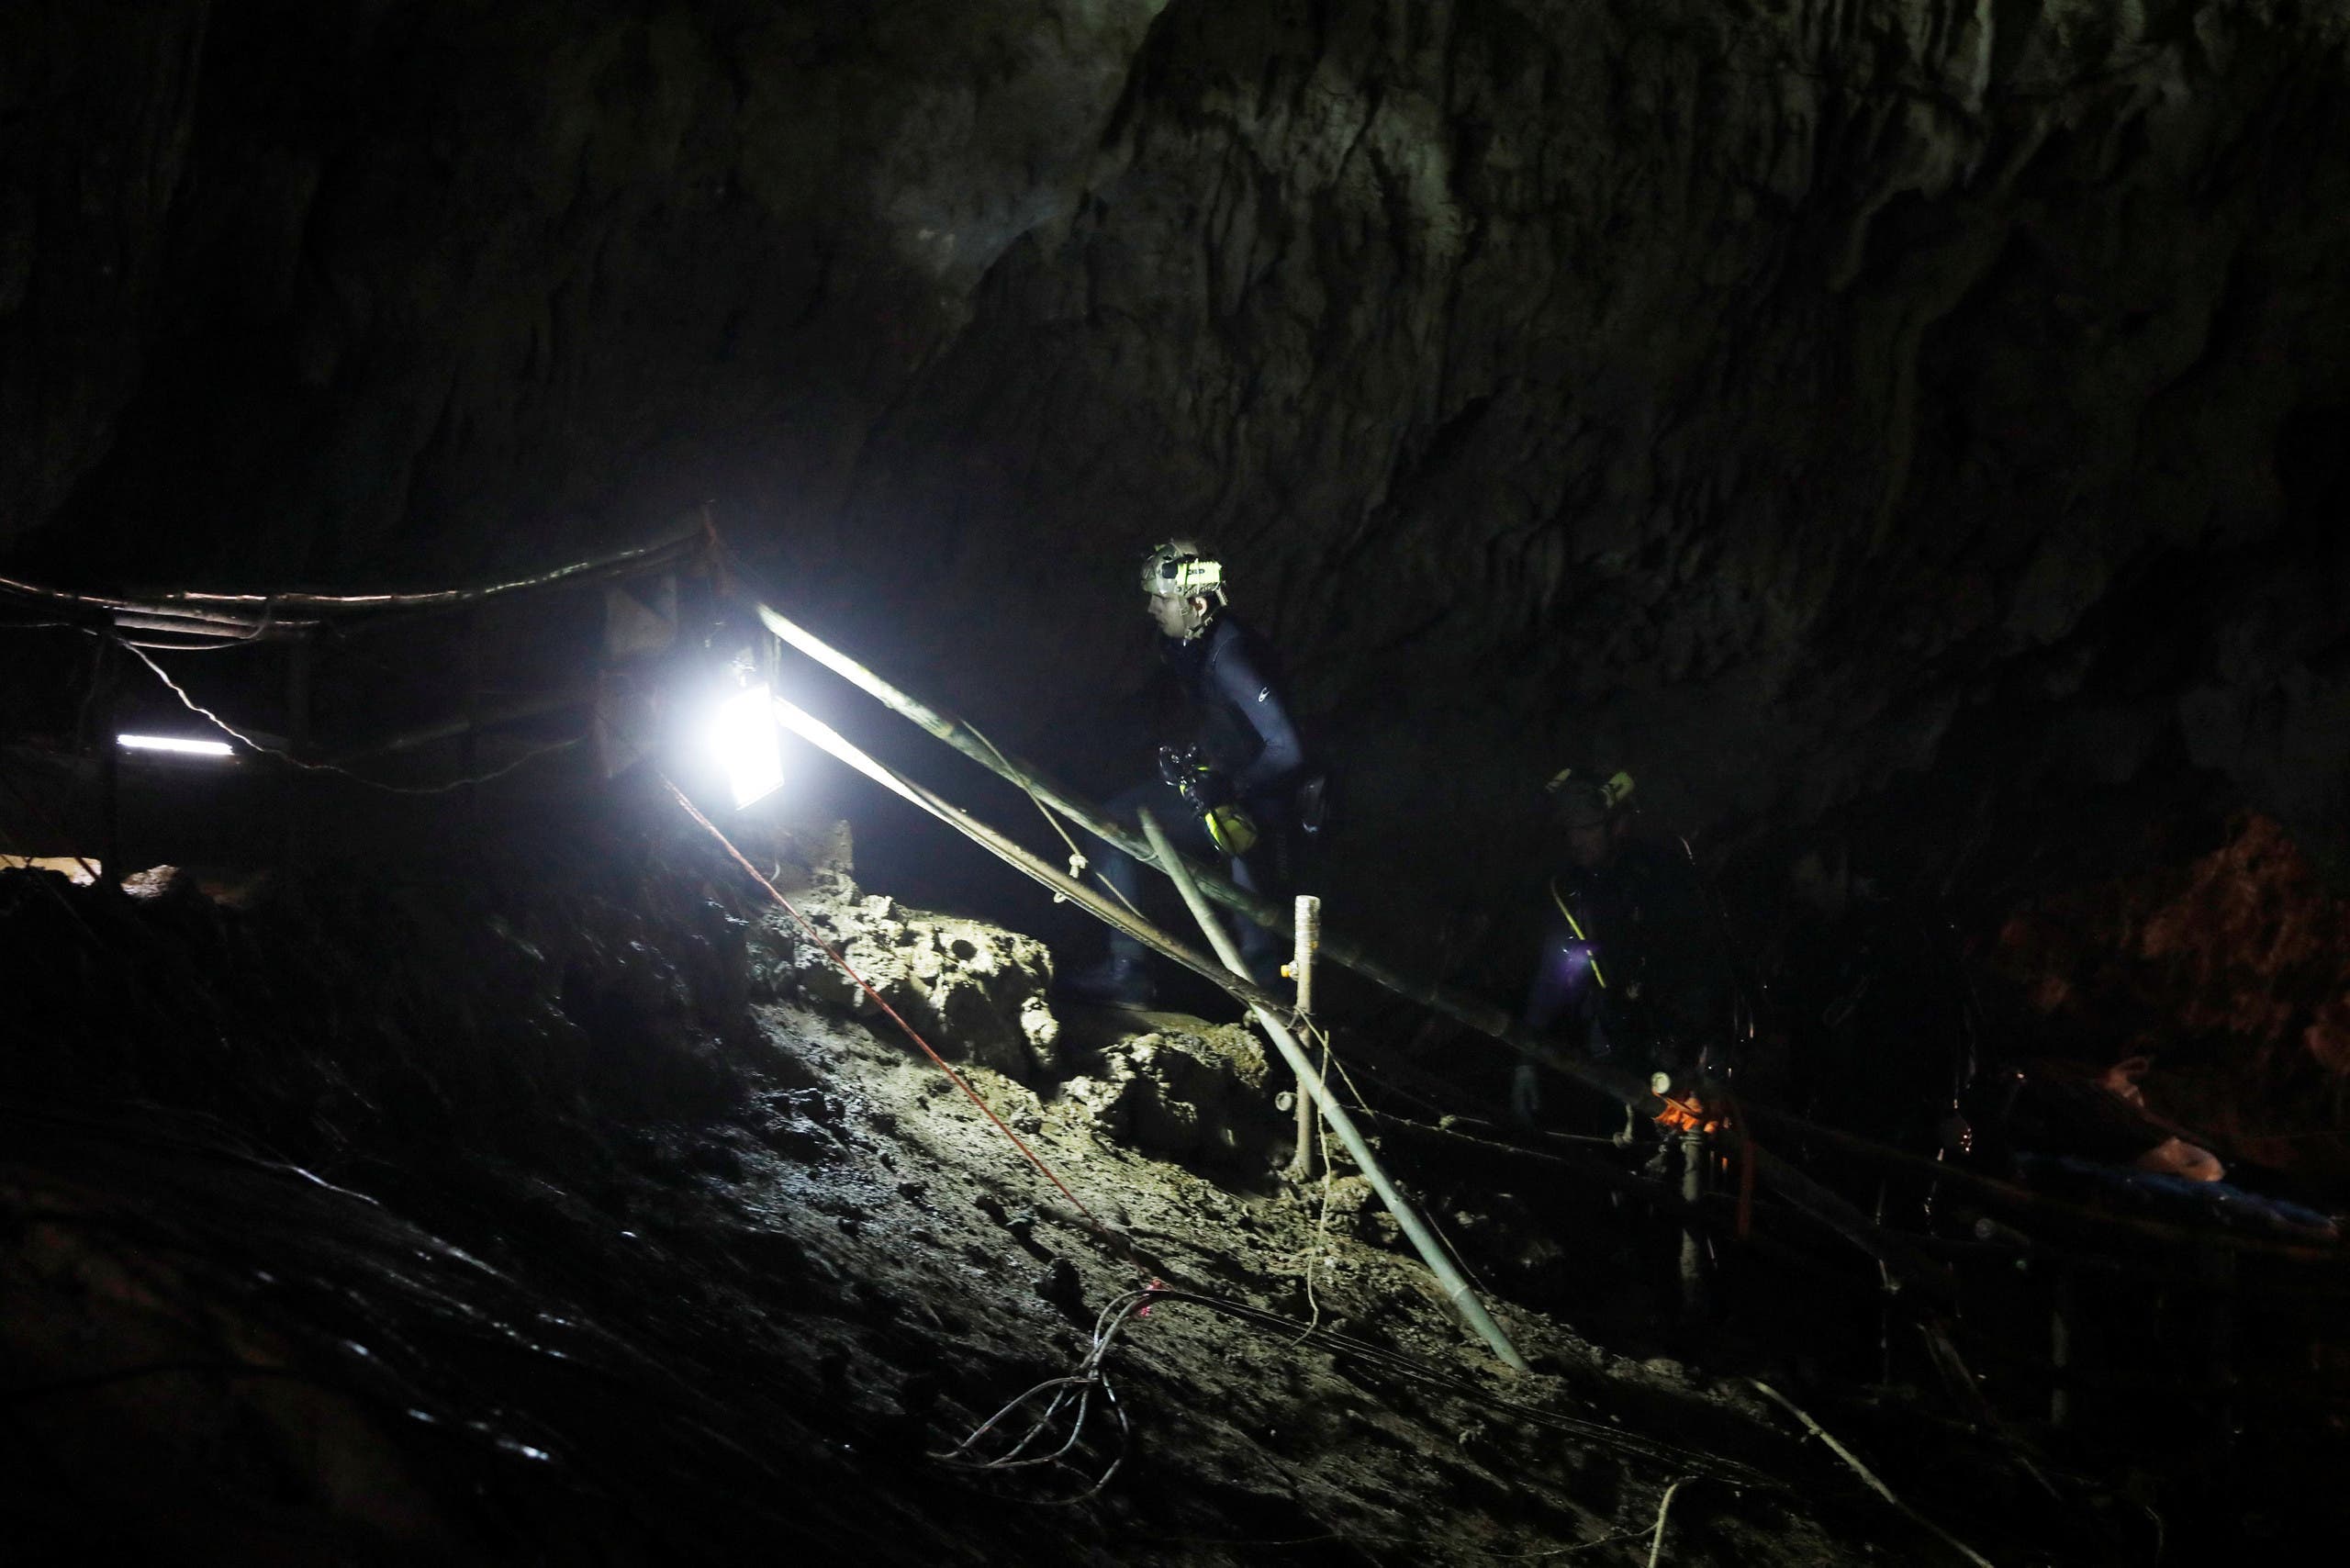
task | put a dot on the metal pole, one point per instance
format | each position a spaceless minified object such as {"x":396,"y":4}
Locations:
{"x":1456,"y":1289}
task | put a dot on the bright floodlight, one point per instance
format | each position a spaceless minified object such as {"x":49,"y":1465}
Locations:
{"x":180,"y":743}
{"x":748,"y":745}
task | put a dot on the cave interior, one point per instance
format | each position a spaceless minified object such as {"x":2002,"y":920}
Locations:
{"x":1907,"y":441}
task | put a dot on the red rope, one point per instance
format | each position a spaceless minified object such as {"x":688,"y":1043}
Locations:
{"x":777,"y":893}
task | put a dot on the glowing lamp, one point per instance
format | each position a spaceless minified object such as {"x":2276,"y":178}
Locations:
{"x":748,"y":745}
{"x":177,"y":744}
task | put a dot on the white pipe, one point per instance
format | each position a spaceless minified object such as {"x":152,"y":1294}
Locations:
{"x":1455,"y":1288}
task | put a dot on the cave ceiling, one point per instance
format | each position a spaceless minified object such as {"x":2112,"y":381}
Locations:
{"x":1782,"y":397}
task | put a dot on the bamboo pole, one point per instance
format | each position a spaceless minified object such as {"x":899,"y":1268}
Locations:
{"x":1455,"y":1288}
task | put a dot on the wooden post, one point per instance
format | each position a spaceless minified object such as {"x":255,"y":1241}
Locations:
{"x":1308,"y":925}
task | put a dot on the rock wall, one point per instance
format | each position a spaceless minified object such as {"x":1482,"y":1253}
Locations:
{"x":1775,"y":399}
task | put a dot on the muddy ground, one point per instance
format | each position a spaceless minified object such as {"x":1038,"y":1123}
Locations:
{"x":574,"y":1207}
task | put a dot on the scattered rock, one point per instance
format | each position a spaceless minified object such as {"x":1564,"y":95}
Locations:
{"x":971,"y":988}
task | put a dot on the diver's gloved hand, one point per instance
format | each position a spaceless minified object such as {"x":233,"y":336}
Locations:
{"x":1233,"y":831}
{"x":1190,"y":775}
{"x":1209,"y":794}
{"x":1524,"y":1094}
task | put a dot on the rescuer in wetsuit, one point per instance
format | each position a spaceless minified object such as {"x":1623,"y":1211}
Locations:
{"x":1234,"y":793}
{"x":1630,"y":970}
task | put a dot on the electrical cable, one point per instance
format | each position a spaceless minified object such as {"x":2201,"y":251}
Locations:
{"x":185,"y":605}
{"x":1087,"y":1375}
{"x":1657,"y":1545}
{"x":1085,"y":1380}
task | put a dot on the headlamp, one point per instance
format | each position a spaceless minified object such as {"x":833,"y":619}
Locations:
{"x":1166,"y":574}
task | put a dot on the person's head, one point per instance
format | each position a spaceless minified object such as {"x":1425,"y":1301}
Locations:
{"x":1590,"y":815}
{"x":1184,"y":587}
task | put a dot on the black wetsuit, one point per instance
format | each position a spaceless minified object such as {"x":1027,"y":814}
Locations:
{"x":1247,"y":735}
